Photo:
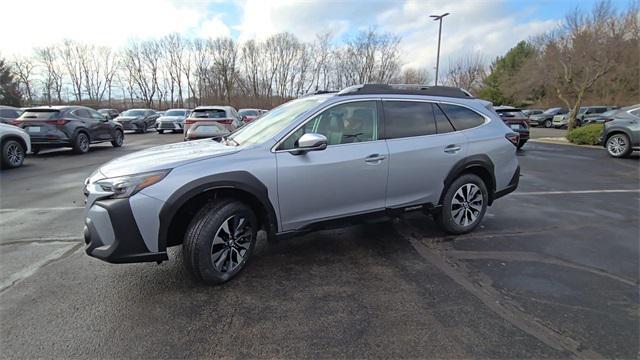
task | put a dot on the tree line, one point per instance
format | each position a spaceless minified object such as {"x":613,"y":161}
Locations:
{"x":592,"y":58}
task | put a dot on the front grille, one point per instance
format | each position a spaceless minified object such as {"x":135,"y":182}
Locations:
{"x":169,"y":126}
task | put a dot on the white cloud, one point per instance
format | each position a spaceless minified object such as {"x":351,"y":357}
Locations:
{"x":99,"y":22}
{"x":213,"y":28}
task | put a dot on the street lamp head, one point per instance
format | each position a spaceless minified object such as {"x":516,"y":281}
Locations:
{"x":438,"y":17}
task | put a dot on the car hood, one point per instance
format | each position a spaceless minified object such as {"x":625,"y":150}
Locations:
{"x":126,"y":118}
{"x":170,"y":118}
{"x":165,"y":157}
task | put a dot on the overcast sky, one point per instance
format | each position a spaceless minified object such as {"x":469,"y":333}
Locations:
{"x":489,"y":27}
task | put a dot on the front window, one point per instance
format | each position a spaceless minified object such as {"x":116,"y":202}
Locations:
{"x":267,"y":126}
{"x":133,"y":113}
{"x":175,"y":113}
{"x":552,"y":111}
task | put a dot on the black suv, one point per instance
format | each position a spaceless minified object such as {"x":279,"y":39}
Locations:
{"x":139,"y":120}
{"x":68,"y":126}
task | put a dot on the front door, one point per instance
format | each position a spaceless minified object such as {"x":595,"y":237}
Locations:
{"x":348,"y":178}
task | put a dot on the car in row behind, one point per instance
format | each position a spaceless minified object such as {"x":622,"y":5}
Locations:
{"x":211,"y":122}
{"x":516,"y":120}
{"x":9,"y":114}
{"x":546,"y":118}
{"x":139,"y":120}
{"x":173,"y":120}
{"x":561,"y":120}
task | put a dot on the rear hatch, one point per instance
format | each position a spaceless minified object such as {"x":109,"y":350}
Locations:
{"x":514,"y":118}
{"x":209,"y":115}
{"x":40,"y":121}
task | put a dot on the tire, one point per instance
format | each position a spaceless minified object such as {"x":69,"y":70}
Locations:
{"x":207,"y":245}
{"x":548,"y":124}
{"x":81,"y":143}
{"x":35,"y":150}
{"x":160,"y":131}
{"x":119,"y":139}
{"x":521,"y":144}
{"x":144,"y":128}
{"x":13,"y":154}
{"x":619,"y":145}
{"x":458,"y":215}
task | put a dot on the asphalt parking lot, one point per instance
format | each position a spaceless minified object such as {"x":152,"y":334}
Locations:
{"x":551,"y":273}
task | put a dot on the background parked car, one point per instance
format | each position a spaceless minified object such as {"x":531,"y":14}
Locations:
{"x":69,"y":126}
{"x":516,"y":120}
{"x":531,"y":112}
{"x":14,"y":144}
{"x":8,"y":114}
{"x":600,"y":118}
{"x":139,"y":120}
{"x":546,"y":118}
{"x":248,"y":115}
{"x":206,"y":130}
{"x":173,"y":119}
{"x":226,"y":116}
{"x":562,"y":120}
{"x":622,"y":134}
{"x":109,"y":113}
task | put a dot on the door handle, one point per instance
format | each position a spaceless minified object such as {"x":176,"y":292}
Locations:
{"x":452,"y":149}
{"x":375,"y":158}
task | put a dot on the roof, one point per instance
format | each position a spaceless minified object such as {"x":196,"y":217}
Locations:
{"x":406,"y":89}
{"x":213,"y":107}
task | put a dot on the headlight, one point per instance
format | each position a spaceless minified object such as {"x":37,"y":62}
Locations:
{"x":126,"y":186}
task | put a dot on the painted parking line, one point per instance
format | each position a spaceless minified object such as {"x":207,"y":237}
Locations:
{"x":63,"y":208}
{"x":577,"y":192}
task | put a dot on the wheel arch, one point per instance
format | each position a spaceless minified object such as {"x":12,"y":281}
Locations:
{"x":480,"y":165}
{"x":8,"y":137}
{"x":184,"y":203}
{"x":616,"y":131}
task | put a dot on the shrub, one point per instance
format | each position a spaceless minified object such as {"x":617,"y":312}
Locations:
{"x":586,"y":135}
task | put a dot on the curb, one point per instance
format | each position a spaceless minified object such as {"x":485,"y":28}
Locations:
{"x":565,"y":142}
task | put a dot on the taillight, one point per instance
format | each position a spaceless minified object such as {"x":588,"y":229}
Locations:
{"x":226,"y":122}
{"x":189,"y":122}
{"x":57,"y":121}
{"x":608,"y":119}
{"x":514,"y":138}
{"x":15,"y":122}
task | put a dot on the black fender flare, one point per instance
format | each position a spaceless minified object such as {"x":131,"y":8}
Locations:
{"x":78,"y":130}
{"x":473,"y":161}
{"x":235,"y":180}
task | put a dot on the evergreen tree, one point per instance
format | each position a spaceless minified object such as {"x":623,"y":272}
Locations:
{"x":9,"y":91}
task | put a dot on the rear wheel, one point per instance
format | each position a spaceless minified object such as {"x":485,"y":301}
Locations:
{"x":219,"y":241}
{"x":464,"y":205}
{"x":618,"y":145}
{"x":160,"y":131}
{"x":12,"y":154}
{"x":521,"y":143}
{"x":81,"y":143}
{"x":118,"y":139}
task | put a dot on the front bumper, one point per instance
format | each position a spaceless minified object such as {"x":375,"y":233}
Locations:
{"x":112,"y":234}
{"x":169,"y":125}
{"x":129,"y":125}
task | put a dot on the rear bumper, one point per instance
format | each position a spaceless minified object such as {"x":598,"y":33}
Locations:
{"x":112,"y":235}
{"x":513,"y":185}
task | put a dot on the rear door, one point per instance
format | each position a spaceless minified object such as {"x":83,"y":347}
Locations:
{"x":423,"y":147}
{"x":103,"y":130}
{"x":348,"y":178}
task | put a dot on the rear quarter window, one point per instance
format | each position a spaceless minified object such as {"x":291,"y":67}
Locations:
{"x":461,"y":117}
{"x":407,"y":119}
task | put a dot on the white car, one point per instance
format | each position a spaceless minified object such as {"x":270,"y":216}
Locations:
{"x":15,"y":145}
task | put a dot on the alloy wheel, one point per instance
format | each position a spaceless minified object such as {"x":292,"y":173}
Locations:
{"x":15,"y":154}
{"x":466,"y":205}
{"x":231,"y":243}
{"x":83,"y":143}
{"x":616,"y":145}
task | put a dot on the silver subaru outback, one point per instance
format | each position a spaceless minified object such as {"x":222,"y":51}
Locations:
{"x":367,"y":150}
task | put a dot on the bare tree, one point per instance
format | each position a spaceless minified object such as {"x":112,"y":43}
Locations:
{"x":52,"y":74}
{"x":467,"y":72}
{"x":24,"y":70}
{"x":415,"y":76}
{"x":225,"y":54}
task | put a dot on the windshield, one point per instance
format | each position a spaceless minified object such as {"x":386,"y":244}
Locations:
{"x":175,"y":113}
{"x":209,"y":114}
{"x":274,"y":121}
{"x":248,"y":113}
{"x":583,"y":110}
{"x":133,"y":113}
{"x":552,"y":111}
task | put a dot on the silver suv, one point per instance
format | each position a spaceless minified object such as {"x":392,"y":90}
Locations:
{"x":367,"y":150}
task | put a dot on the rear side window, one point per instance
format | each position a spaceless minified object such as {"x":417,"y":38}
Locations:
{"x":83,"y":113}
{"x":462,"y":118}
{"x":39,"y":115}
{"x":408,"y":118}
{"x":442,"y":123}
{"x":8,"y":113}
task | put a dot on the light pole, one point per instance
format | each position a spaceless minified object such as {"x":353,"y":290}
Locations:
{"x":438,"y":18}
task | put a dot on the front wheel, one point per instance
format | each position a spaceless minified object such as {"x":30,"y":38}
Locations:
{"x":548,"y":124}
{"x":618,"y":145}
{"x":143,"y":128}
{"x":118,"y":139}
{"x":12,"y":154}
{"x":219,"y":241}
{"x":81,"y":143}
{"x":464,"y":205}
{"x":160,"y":131}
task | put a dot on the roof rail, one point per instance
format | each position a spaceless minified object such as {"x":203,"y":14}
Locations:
{"x":406,"y":89}
{"x":319,"y":92}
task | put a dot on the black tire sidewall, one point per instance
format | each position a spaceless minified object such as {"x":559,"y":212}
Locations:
{"x":76,"y":143}
{"x":446,"y":218}
{"x":160,"y":131}
{"x":5,"y":156}
{"x":200,"y":235}
{"x":115,"y":139}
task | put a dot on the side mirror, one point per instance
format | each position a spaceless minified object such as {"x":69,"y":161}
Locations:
{"x":310,"y":142}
